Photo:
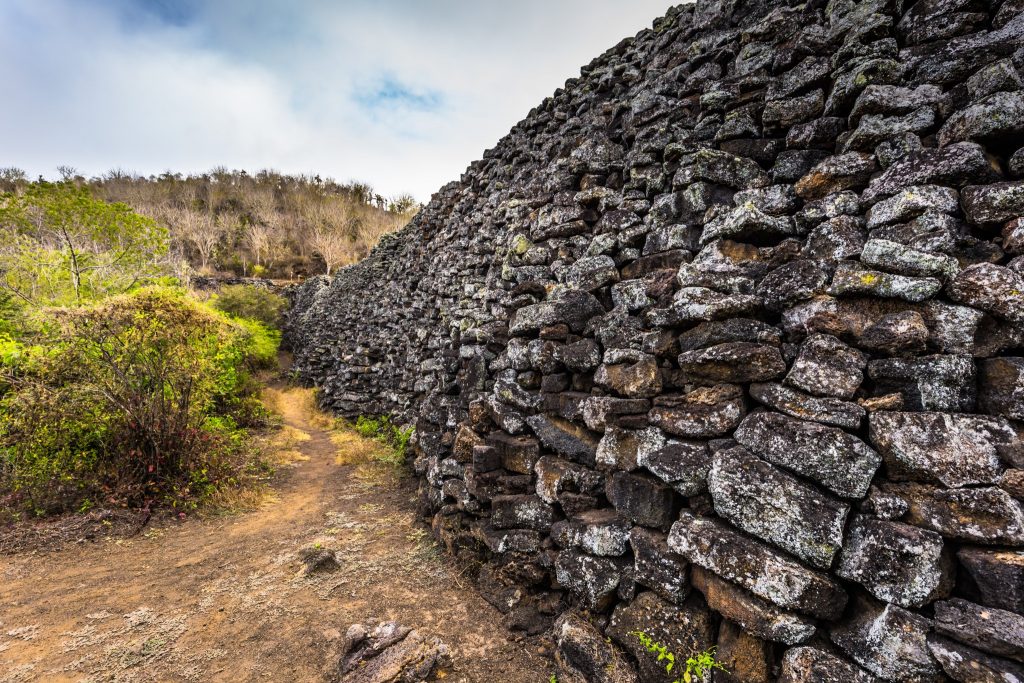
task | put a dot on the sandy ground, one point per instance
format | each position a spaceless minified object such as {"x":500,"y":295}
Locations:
{"x":226,"y":598}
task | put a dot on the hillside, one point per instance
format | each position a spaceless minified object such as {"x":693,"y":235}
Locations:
{"x":264,"y":224}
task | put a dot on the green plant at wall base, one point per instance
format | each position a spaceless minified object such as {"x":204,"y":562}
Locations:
{"x":699,"y":664}
{"x":384,"y":431}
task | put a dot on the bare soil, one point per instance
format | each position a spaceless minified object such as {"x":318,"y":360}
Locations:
{"x":225,"y":598}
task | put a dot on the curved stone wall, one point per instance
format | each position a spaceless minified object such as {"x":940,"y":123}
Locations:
{"x":724,"y":342}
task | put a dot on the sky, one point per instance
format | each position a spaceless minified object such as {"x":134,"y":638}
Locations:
{"x":400,"y":94}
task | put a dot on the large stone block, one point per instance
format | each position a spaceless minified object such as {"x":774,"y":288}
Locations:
{"x":777,"y":507}
{"x":977,"y":515}
{"x":827,"y":367}
{"x":1001,"y":387}
{"x":555,"y":476}
{"x":564,"y":437}
{"x":584,"y":655}
{"x":521,"y":512}
{"x":996,"y":631}
{"x":756,"y":566}
{"x":597,"y":532}
{"x":684,"y":465}
{"x":998,"y":576}
{"x":888,"y":641}
{"x":969,"y":665}
{"x":838,"y":461}
{"x":896,"y":562}
{"x":754,"y":615}
{"x":733,"y":362}
{"x":928,"y":383}
{"x":811,"y":665}
{"x":952,"y":450}
{"x":642,"y":499}
{"x":703,"y":413}
{"x":657,"y":567}
{"x":593,"y":580}
{"x":574,"y":309}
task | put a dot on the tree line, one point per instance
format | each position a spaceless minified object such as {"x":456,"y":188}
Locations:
{"x":233,"y":222}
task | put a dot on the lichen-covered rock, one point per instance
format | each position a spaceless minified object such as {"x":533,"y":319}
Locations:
{"x":830,"y":411}
{"x":693,"y":304}
{"x":888,"y":641}
{"x":638,"y":379}
{"x":943,"y":382}
{"x":896,"y":562}
{"x":574,"y":308}
{"x":597,"y":532}
{"x":996,"y":631}
{"x":995,"y":118}
{"x":979,"y":515}
{"x":953,"y":450}
{"x":683,"y":464}
{"x":956,"y":165}
{"x":390,"y":653}
{"x":990,"y":288}
{"x":842,"y":172}
{"x":598,"y":411}
{"x":827,"y":367}
{"x":755,"y":566}
{"x":591,"y":579}
{"x":812,"y":665}
{"x":521,"y":512}
{"x":902,"y":333}
{"x":564,"y":437}
{"x":838,"y":461}
{"x":641,"y":499}
{"x":852,"y":279}
{"x":899,"y":258}
{"x":555,"y":475}
{"x":792,"y":282}
{"x":776,"y":507}
{"x":910,"y":203}
{"x":995,"y":203}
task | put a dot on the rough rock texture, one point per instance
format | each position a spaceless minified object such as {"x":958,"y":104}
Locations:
{"x":391,"y":653}
{"x":753,"y":277}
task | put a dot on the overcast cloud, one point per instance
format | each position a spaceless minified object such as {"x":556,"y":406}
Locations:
{"x":401,"y":94}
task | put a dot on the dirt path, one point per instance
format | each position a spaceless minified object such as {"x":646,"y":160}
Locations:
{"x":225,"y":599}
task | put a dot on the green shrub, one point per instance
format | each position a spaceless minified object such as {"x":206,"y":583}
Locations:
{"x":252,"y":303}
{"x":138,"y":400}
{"x":384,"y":431}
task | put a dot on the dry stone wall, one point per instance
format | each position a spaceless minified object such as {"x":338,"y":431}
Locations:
{"x":725,"y":342}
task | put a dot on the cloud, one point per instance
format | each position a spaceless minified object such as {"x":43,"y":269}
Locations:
{"x":401,"y":94}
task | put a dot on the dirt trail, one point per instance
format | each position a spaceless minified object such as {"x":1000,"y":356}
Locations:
{"x":225,"y":599}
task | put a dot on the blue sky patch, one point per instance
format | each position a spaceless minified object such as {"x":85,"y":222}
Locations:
{"x":389,"y":93}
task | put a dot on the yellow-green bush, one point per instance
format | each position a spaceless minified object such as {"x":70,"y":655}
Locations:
{"x":136,"y":400}
{"x":251,"y":303}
